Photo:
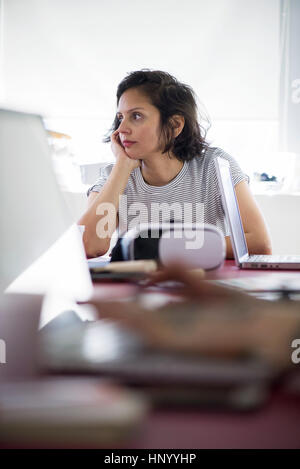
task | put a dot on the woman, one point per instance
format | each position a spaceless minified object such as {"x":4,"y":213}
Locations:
{"x":164,"y":168}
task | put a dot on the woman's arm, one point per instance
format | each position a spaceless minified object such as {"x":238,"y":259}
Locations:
{"x":100,"y":219}
{"x":256,"y":233}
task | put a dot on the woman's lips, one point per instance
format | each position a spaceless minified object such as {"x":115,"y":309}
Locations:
{"x":127,"y":143}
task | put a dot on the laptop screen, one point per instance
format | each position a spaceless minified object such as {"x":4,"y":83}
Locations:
{"x":231,"y":209}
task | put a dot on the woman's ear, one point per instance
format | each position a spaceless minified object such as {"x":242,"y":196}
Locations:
{"x":177,"y":122}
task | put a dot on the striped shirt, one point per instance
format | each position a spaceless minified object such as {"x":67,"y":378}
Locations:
{"x":193,"y":196}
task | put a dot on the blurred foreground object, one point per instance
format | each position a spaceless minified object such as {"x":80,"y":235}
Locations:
{"x":210,"y":321}
{"x":36,"y":411}
{"x":67,"y":412}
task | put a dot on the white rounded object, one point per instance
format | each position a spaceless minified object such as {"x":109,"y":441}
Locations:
{"x":198,"y":246}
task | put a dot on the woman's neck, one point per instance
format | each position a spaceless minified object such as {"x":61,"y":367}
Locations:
{"x":159,"y":172}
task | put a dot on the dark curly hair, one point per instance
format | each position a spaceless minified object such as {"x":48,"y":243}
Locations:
{"x":170,"y":97}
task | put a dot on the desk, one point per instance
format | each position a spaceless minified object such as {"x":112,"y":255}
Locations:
{"x":275,"y":425}
{"x":230,"y":270}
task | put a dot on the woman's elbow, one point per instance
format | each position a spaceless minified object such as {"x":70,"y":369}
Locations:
{"x":259,"y":243}
{"x":91,"y":253}
{"x":266,"y":249}
{"x":263,"y":246}
{"x":95,"y":248}
{"x":266,"y":244}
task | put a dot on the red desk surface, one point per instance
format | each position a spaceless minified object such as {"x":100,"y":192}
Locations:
{"x":274,"y":425}
{"x":230,"y":270}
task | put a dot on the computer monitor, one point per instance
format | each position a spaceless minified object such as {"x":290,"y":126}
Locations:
{"x":38,"y":238}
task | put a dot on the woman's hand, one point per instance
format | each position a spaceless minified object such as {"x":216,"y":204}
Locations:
{"x":209,"y":320}
{"x":120,"y":152}
{"x":205,"y":319}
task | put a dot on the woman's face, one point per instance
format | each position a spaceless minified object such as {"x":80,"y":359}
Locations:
{"x":139,"y":127}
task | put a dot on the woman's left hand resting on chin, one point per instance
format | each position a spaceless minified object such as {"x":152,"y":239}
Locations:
{"x":210,"y":321}
{"x":256,"y":233}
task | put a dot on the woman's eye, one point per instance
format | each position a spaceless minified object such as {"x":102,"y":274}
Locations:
{"x":136,"y":116}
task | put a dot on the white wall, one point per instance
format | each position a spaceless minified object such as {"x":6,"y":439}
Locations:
{"x":66,"y":57}
{"x":281,"y":212}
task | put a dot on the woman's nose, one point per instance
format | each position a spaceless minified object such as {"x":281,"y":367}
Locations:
{"x":124,"y":127}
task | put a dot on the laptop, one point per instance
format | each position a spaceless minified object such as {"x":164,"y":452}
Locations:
{"x":239,"y":245}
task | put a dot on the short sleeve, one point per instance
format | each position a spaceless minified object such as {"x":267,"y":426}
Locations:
{"x":237,"y":175}
{"x":103,"y":176}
